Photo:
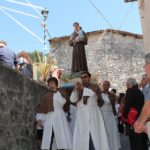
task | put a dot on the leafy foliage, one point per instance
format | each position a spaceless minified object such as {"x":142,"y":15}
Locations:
{"x":35,"y":56}
{"x":42,"y":69}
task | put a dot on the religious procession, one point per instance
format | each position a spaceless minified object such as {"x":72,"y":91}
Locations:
{"x":95,"y":116}
{"x":67,"y":107}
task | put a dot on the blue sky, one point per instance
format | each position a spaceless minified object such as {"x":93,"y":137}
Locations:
{"x":62,"y":13}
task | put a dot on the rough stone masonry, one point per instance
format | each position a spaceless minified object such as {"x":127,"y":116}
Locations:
{"x":19,"y":97}
{"x":111,"y":54}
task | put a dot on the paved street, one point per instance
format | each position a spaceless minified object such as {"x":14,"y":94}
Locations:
{"x":125,"y":143}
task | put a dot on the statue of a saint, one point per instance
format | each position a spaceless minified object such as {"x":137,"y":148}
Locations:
{"x":78,"y":40}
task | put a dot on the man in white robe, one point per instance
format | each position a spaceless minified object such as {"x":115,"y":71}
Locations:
{"x":55,"y":124}
{"x":108,"y":111}
{"x":89,"y":132}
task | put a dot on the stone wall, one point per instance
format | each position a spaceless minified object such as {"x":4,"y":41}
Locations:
{"x":113,"y":56}
{"x":19,"y":97}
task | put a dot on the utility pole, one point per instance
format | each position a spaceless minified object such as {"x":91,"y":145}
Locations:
{"x":45,"y":15}
{"x":144,"y":10}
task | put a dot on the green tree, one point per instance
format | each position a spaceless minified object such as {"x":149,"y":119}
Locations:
{"x":36,"y":56}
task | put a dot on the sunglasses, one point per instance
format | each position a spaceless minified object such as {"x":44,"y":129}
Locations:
{"x":105,"y":84}
{"x":84,"y":77}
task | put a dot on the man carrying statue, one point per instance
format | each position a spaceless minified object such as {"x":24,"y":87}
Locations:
{"x":78,"y":40}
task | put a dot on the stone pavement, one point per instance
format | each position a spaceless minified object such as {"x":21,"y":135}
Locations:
{"x":125,"y":143}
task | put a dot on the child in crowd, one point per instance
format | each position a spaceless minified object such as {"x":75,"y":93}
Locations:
{"x":39,"y":128}
{"x":120,"y":107}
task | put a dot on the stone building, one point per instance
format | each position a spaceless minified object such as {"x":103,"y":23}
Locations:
{"x":111,"y":54}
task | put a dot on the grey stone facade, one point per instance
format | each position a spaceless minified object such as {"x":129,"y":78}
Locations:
{"x":112,"y":55}
{"x":19,"y":97}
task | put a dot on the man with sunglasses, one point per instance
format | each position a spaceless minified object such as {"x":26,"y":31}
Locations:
{"x":90,"y":131}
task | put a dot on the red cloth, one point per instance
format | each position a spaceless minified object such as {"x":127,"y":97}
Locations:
{"x":132,"y":116}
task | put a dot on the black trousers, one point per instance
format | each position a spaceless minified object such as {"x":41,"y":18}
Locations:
{"x":52,"y":140}
{"x":120,"y":126}
{"x":91,"y":144}
{"x":138,"y":141}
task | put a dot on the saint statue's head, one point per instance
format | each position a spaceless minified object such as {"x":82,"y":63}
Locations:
{"x":76,"y":26}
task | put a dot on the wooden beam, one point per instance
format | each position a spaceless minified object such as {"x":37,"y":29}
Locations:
{"x":127,"y":1}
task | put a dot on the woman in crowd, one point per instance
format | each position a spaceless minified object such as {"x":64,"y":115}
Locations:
{"x":25,"y":64}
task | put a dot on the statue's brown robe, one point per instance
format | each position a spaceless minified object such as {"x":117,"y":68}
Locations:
{"x":79,"y":61}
